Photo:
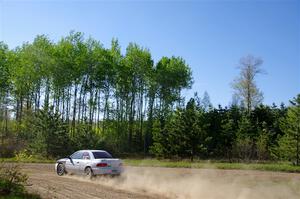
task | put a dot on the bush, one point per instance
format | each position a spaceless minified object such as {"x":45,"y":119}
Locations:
{"x":13,"y":182}
{"x":8,"y":145}
{"x":23,"y":155}
{"x":243,"y":148}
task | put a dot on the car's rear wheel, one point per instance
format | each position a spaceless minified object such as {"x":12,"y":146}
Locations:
{"x":89,"y":172}
{"x":60,"y":170}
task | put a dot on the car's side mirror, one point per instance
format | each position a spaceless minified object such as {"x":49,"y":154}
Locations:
{"x":70,"y":159}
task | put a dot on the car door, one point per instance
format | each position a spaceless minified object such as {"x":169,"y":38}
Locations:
{"x":69,"y":166}
{"x":72,"y":165}
{"x":85,"y":161}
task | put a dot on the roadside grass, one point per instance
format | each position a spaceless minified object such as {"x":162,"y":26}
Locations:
{"x":23,"y":196}
{"x":197,"y":164}
{"x":207,"y":164}
{"x":27,"y":160}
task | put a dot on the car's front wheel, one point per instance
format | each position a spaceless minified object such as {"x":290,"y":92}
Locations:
{"x":60,"y":170}
{"x":89,"y":172}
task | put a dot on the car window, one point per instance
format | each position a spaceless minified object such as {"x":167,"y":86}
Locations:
{"x":77,"y":155}
{"x":101,"y":154}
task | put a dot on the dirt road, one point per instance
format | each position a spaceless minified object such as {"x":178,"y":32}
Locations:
{"x":44,"y":181}
{"x":158,"y":183}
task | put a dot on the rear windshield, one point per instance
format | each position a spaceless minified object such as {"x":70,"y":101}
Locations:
{"x":100,"y":155}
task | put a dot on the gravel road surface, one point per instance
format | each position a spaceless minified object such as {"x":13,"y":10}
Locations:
{"x":160,"y":183}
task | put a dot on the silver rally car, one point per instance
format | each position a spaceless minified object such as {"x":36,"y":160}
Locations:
{"x":90,"y":163}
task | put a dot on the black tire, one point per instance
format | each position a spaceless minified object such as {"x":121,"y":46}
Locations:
{"x":60,"y":170}
{"x":89,"y":172}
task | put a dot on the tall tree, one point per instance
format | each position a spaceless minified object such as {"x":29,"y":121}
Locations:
{"x":172,"y":75}
{"x":139,"y":63}
{"x":5,"y":86}
{"x":71,"y":53}
{"x":245,"y":86}
{"x":206,"y":101}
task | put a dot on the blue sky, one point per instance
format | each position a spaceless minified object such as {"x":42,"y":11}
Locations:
{"x":210,"y":35}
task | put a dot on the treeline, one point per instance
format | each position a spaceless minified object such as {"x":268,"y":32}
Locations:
{"x":231,"y":133}
{"x":57,"y":97}
{"x":92,"y":90}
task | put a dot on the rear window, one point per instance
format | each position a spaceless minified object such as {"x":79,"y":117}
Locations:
{"x":100,"y":155}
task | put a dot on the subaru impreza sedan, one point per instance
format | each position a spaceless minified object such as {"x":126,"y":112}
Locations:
{"x":89,"y":163}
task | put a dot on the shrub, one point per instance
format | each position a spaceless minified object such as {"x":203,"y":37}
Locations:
{"x":12,"y":181}
{"x":23,"y":155}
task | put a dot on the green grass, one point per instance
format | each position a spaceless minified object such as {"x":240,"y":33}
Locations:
{"x":280,"y":166}
{"x":27,"y":160}
{"x":24,"y":196}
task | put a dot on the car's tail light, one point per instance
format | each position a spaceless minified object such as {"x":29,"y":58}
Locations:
{"x":102,"y":165}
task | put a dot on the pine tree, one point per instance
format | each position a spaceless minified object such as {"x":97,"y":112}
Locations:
{"x":51,"y":135}
{"x":289,"y":144}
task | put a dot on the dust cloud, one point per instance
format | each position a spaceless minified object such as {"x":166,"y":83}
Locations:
{"x":205,"y":183}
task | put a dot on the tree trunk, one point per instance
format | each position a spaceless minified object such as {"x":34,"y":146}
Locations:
{"x":141,"y":119}
{"x":98,"y":110}
{"x":47,"y":91}
{"x":68,"y":106}
{"x":148,"y":134}
{"x":63,"y":105}
{"x":74,"y":106}
{"x":105,"y":113}
{"x":298,"y":140}
{"x":21,"y":109}
{"x":131,"y":120}
{"x":80,"y":103}
{"x":91,"y":106}
{"x":18,"y":109}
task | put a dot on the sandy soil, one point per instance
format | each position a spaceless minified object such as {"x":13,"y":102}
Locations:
{"x":159,"y":183}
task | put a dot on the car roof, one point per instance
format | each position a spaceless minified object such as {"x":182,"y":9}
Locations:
{"x":91,"y":150}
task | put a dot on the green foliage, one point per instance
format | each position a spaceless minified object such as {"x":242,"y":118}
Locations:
{"x":230,"y":133}
{"x":85,"y":138}
{"x":285,"y":149}
{"x":23,"y":155}
{"x":289,"y":143}
{"x":214,"y":164}
{"x":184,"y":134}
{"x":262,"y":146}
{"x":172,"y":75}
{"x":4,"y":68}
{"x":243,"y":148}
{"x":103,"y":98}
{"x":57,"y":97}
{"x":229,"y":127}
{"x":50,"y":135}
{"x":12,"y":181}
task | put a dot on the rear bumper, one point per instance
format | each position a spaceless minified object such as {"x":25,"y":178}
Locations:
{"x":107,"y":170}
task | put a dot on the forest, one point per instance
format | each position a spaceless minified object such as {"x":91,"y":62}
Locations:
{"x":58,"y":97}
